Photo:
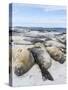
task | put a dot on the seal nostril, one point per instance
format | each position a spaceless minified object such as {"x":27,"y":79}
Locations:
{"x":18,"y":71}
{"x":61,"y":61}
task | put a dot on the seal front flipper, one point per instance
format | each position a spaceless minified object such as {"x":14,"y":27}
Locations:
{"x":46,"y":74}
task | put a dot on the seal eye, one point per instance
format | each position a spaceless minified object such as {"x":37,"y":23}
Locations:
{"x":18,"y":71}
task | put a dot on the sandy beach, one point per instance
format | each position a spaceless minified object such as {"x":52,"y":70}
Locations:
{"x":33,"y":77}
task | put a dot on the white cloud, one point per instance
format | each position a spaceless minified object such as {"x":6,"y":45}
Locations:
{"x":51,"y":7}
{"x":44,"y":7}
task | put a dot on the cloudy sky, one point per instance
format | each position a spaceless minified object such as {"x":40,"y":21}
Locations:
{"x":38,"y":15}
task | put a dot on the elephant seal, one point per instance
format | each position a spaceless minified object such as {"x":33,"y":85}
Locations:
{"x":56,"y":54}
{"x":23,"y":61}
{"x":43,"y":59}
{"x":55,"y":43}
{"x":62,"y":38}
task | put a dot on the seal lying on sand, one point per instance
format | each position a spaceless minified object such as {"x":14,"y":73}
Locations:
{"x":55,"y":43}
{"x":61,"y":38}
{"x":56,"y":54}
{"x":43,"y":59}
{"x":23,"y":61}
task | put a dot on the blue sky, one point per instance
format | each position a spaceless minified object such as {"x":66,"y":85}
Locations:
{"x":38,"y":15}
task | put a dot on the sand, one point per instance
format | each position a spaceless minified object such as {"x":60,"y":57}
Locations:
{"x":33,"y":77}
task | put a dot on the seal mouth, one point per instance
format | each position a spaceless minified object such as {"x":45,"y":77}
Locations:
{"x":18,"y":71}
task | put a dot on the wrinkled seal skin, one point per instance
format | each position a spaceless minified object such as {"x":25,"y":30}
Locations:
{"x":56,"y":54}
{"x":23,"y":61}
{"x":43,"y":59}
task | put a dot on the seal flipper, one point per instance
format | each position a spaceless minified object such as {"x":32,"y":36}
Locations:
{"x":46,"y":74}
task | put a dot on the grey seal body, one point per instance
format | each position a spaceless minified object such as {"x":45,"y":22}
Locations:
{"x":43,"y":59}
